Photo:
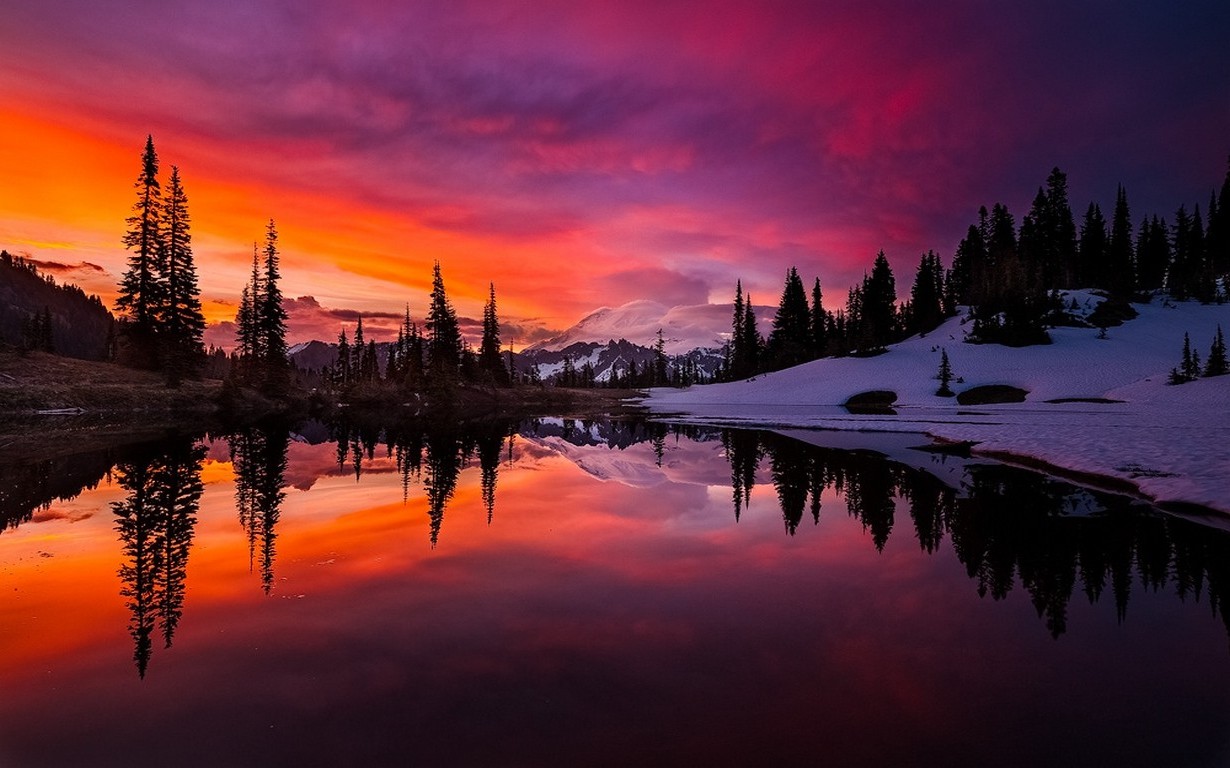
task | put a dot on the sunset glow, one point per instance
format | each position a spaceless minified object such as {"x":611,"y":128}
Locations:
{"x":584,"y":156}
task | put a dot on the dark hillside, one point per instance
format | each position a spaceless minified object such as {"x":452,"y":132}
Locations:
{"x":80,"y":324}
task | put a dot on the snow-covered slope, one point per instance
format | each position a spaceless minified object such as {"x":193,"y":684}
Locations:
{"x":1171,"y":442}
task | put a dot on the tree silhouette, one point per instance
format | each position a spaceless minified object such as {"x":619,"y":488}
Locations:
{"x":182,"y":324}
{"x":141,"y":288}
{"x":258,"y":456}
{"x":155,"y":523}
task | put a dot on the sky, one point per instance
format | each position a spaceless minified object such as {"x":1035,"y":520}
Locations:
{"x":580,"y":155}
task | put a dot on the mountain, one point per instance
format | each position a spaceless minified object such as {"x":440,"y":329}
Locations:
{"x":80,"y":324}
{"x":605,"y":357}
{"x":684,"y":327}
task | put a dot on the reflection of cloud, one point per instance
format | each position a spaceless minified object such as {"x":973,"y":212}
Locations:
{"x":55,"y":513}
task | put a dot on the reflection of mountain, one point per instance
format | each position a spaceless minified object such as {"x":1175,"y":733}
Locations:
{"x":155,"y":523}
{"x":1007,"y":526}
{"x":637,"y":454}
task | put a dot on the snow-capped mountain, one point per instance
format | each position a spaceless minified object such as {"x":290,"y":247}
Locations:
{"x":684,"y":327}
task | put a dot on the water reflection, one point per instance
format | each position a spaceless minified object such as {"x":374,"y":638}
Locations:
{"x":155,"y":523}
{"x":258,"y":457}
{"x":1007,"y":527}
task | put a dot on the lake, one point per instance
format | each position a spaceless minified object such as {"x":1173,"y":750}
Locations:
{"x":562,"y":592}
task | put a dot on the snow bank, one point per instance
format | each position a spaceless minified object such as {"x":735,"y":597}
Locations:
{"x":1168,"y":441}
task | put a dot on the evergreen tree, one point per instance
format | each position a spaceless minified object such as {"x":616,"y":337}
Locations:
{"x":659,"y":361}
{"x":819,"y":323}
{"x":356,"y":357}
{"x":790,"y":341}
{"x":879,"y":307}
{"x":1216,"y":365}
{"x":1095,"y":272}
{"x":247,"y":329}
{"x":443,"y":334}
{"x":969,"y":264}
{"x":737,"y":367}
{"x":141,"y":287}
{"x":271,"y":319}
{"x":927,"y":295}
{"x":752,"y":343}
{"x":945,"y":375}
{"x":1121,"y":271}
{"x":181,"y":320}
{"x":490,"y":360}
{"x":1218,"y":236}
{"x":342,"y":369}
{"x":1152,"y":253}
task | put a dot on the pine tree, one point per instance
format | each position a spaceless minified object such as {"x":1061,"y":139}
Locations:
{"x":819,"y":323}
{"x":342,"y":369}
{"x":443,"y":334}
{"x":490,"y":360}
{"x":659,"y":361}
{"x":945,"y":375}
{"x":1121,"y":271}
{"x":737,"y":367}
{"x":1095,"y":272}
{"x":927,"y":295}
{"x":878,"y":307}
{"x":752,"y":343}
{"x":271,"y":319}
{"x":141,"y":287}
{"x":1152,"y":254}
{"x":790,"y":340}
{"x":1216,"y":365}
{"x":356,"y":358}
{"x":180,"y":316}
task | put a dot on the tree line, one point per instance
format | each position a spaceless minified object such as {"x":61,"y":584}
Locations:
{"x":1008,"y":277}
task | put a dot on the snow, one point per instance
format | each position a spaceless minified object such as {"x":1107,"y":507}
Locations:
{"x":1170,"y":442}
{"x":684,"y":327}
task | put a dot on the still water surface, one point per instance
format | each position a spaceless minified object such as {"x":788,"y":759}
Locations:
{"x":568,"y":593}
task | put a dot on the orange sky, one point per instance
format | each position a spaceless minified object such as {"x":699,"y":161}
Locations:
{"x":584,"y":156}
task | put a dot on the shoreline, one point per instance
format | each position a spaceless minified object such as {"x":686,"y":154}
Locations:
{"x":989,"y":434}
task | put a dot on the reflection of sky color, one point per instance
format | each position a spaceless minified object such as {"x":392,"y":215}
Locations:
{"x":595,"y":620}
{"x":583,"y":155}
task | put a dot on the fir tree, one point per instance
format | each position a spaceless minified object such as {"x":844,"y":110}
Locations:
{"x":927,"y":295}
{"x":271,"y":319}
{"x":790,"y":340}
{"x":141,"y":287}
{"x":1121,"y":271}
{"x":819,"y":323}
{"x":1094,"y":271}
{"x":736,"y":366}
{"x":180,"y":316}
{"x":443,"y":334}
{"x":659,"y":360}
{"x":342,"y":369}
{"x":490,"y":360}
{"x":945,"y":375}
{"x":356,"y":358}
{"x":1216,"y":365}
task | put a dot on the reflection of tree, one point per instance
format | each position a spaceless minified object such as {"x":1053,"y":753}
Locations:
{"x":489,"y":446}
{"x":1006,"y":526}
{"x":155,"y":523}
{"x":743,"y":452}
{"x":444,"y":456}
{"x":28,"y":486}
{"x":258,"y":455}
